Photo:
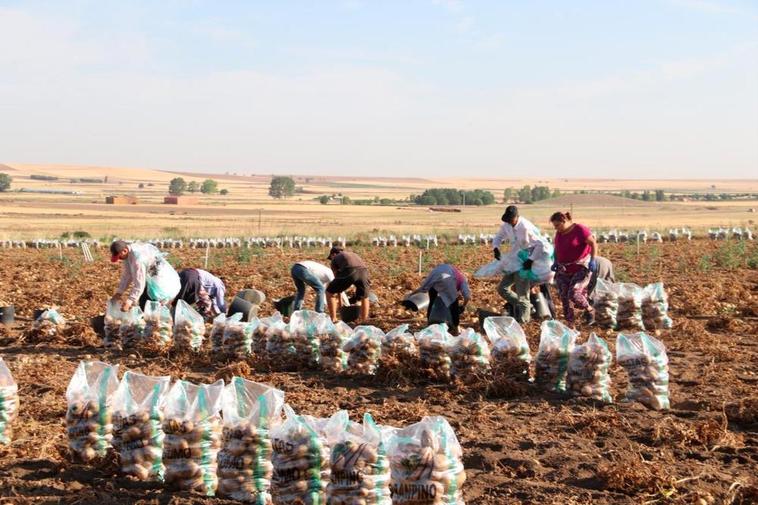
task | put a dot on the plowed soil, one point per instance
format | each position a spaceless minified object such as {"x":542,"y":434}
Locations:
{"x":525,"y":447}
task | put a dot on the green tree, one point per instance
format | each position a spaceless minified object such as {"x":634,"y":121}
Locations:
{"x":507,"y":195}
{"x":646,"y":196}
{"x":5,"y":182}
{"x":556,"y":193}
{"x":281,"y":187}
{"x":193,"y":186}
{"x":345,"y":200}
{"x":177,"y":186}
{"x":525,"y":194}
{"x":209,"y":187}
{"x":224,"y":192}
{"x":659,"y":195}
{"x":323,"y":199}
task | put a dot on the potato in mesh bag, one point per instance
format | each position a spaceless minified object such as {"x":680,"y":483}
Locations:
{"x":238,"y":338}
{"x":8,"y":403}
{"x":192,"y":427}
{"x":333,"y":356}
{"x":89,"y":415}
{"x":588,"y":370}
{"x":138,"y":425}
{"x":47,"y":327}
{"x":629,"y":315}
{"x":655,"y":307}
{"x":645,"y":361}
{"x":360,"y":470}
{"x":400,"y":343}
{"x":158,"y":333}
{"x":470,"y":355}
{"x":217,"y":330}
{"x":364,"y":350}
{"x":426,"y":464}
{"x":189,"y":328}
{"x":551,"y":364}
{"x":434,"y":344}
{"x":301,"y":457}
{"x":259,"y":337}
{"x":605,"y":302}
{"x":510,"y":349}
{"x":308,"y":328}
{"x":250,"y":411}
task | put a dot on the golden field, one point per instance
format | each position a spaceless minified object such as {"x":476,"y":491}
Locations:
{"x":249,"y":211}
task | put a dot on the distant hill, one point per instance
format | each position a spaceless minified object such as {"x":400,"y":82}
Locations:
{"x":593,"y":200}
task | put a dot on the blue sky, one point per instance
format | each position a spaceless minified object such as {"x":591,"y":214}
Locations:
{"x":624,"y":89}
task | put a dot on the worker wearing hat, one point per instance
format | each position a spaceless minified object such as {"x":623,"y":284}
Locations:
{"x":521,"y":235}
{"x":349,"y":270}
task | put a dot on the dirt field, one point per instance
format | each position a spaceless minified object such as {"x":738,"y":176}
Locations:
{"x":525,"y":447}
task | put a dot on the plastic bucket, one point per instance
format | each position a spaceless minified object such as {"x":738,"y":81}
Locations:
{"x":285,"y":305}
{"x":253,"y":296}
{"x":416,"y":302}
{"x":7,"y":314}
{"x":248,"y":310}
{"x":98,"y":324}
{"x":350,"y":313}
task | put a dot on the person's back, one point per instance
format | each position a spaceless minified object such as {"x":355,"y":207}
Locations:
{"x":347,"y":260}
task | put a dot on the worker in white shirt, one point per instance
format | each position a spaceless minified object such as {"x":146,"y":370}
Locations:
{"x":521,"y":235}
{"x":315,"y":275}
{"x":146,"y":274}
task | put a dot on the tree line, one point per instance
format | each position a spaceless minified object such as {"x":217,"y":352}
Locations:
{"x":178,"y":186}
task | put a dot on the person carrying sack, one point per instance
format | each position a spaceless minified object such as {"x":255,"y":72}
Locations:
{"x":148,"y":273}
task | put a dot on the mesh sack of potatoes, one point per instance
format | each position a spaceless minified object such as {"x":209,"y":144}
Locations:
{"x":47,"y":327}
{"x":629,"y":315}
{"x":434,"y":343}
{"x":645,"y":361}
{"x":470,"y":354}
{"x":605,"y":302}
{"x":8,"y":403}
{"x":331,"y":348}
{"x":158,"y":333}
{"x":112,"y":324}
{"x":89,"y":413}
{"x":588,"y":370}
{"x":138,"y":425}
{"x":280,"y":346}
{"x":238,"y":338}
{"x":301,"y":457}
{"x":426,"y":464}
{"x":217,"y":330}
{"x":250,"y":410}
{"x":360,"y":472}
{"x":192,"y":428}
{"x":655,"y":307}
{"x":132,"y":328}
{"x":364,"y":350}
{"x":259,"y":337}
{"x":551,"y":364}
{"x":189,"y":328}
{"x":510,"y":353}
{"x":400,"y":344}
{"x":308,"y":328}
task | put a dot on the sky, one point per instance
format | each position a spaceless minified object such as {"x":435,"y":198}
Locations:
{"x":422,"y":88}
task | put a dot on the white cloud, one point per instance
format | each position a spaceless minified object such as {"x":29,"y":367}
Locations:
{"x":716,"y":7}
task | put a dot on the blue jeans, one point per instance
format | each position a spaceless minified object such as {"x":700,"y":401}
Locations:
{"x":303,"y":276}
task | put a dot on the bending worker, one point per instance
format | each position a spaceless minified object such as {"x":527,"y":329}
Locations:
{"x":315,"y":275}
{"x":349,"y":270}
{"x":148,"y":273}
{"x":523,"y":238}
{"x":204,"y":290}
{"x":448,"y":284}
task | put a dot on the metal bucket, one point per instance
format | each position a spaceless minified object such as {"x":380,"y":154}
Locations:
{"x":416,"y":302}
{"x":541,"y":309}
{"x":7,"y":314}
{"x":249,"y":310}
{"x":253,"y":296}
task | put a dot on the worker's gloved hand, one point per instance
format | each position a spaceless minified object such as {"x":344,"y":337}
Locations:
{"x":592,"y":265}
{"x":528,"y":264}
{"x":555,"y":266}
{"x":496,"y":252}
